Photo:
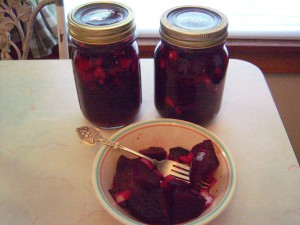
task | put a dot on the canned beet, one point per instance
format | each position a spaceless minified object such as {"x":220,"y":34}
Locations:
{"x":190,"y":63}
{"x":106,"y":63}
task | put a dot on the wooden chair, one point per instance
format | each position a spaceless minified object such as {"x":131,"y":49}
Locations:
{"x":19,"y":17}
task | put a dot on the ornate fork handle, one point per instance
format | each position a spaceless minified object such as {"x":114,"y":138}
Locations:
{"x":92,"y":135}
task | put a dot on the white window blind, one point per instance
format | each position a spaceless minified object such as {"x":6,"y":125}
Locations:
{"x":255,"y":19}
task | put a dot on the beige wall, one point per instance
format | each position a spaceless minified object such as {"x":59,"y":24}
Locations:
{"x":285,"y":90}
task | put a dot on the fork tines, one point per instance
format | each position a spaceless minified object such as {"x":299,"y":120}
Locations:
{"x":203,"y":184}
{"x":181,"y":171}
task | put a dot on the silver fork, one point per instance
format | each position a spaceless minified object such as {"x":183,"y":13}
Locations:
{"x":166,"y":167}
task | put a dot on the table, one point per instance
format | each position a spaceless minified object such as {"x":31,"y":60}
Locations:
{"x":45,"y":170}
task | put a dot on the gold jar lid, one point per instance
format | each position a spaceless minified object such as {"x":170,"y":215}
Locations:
{"x":193,"y":27}
{"x":100,"y":23}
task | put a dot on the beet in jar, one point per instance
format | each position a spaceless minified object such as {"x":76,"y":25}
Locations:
{"x":190,"y":63}
{"x":106,"y":63}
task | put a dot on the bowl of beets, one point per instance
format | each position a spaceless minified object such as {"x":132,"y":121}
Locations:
{"x":133,"y":191}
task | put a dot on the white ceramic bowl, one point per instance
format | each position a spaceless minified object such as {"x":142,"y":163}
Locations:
{"x":165,"y":133}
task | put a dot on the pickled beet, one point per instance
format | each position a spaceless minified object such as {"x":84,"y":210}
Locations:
{"x":108,"y":83}
{"x":133,"y":174}
{"x":186,"y":205}
{"x":149,"y":206}
{"x":177,"y":152}
{"x":157,"y":153}
{"x":204,"y":163}
{"x":155,"y":199}
{"x":189,"y":83}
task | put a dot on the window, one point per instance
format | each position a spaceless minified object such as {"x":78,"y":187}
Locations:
{"x":263,"y":32}
{"x":258,"y":19}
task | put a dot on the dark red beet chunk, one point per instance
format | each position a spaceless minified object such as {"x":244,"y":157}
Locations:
{"x":206,"y":145}
{"x":123,"y":162}
{"x":157,"y":153}
{"x":176,"y":152}
{"x":204,"y":162}
{"x":132,"y":174}
{"x":149,"y":206}
{"x":186,"y":205}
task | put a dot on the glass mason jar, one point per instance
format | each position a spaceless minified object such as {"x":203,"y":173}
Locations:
{"x":106,"y":63}
{"x":190,"y":63}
